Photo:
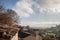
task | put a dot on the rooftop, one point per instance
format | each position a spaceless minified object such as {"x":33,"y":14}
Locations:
{"x":7,"y":32}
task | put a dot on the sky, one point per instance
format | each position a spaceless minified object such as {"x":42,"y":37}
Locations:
{"x":36,"y":13}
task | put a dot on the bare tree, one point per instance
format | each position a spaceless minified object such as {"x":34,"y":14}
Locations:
{"x":8,"y":16}
{"x":6,"y":19}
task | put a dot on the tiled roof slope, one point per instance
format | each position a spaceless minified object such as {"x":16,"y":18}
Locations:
{"x":7,"y":32}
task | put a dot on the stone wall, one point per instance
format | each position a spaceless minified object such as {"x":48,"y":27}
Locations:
{"x":15,"y":37}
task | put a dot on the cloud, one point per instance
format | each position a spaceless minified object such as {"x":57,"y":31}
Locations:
{"x":50,"y":5}
{"x":23,"y":8}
